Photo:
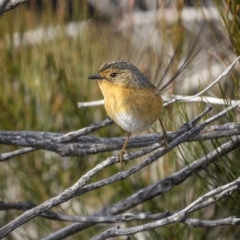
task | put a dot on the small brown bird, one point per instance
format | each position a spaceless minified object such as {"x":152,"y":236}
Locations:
{"x":130,"y":99}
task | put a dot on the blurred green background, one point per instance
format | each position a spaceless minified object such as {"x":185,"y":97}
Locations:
{"x":44,"y":65}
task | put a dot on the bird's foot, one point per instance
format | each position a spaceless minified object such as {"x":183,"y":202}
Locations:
{"x":120,"y":156}
{"x":167,"y":139}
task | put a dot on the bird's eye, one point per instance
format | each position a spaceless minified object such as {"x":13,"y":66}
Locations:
{"x":113,"y":75}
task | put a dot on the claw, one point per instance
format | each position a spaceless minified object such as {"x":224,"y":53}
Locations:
{"x":166,"y":139}
{"x":123,"y":151}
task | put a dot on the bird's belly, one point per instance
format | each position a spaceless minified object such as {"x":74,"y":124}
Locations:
{"x":135,"y":118}
{"x":135,"y":110}
{"x":132,"y":123}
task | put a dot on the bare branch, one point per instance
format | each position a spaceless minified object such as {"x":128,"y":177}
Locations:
{"x":93,"y":127}
{"x":184,"y":134}
{"x":169,"y":182}
{"x":48,"y":140}
{"x":26,"y":205}
{"x":9,"y":155}
{"x":220,"y":77}
{"x":90,"y":145}
{"x":13,"y":4}
{"x":78,"y":188}
{"x":196,"y":223}
{"x":167,"y":98}
{"x":208,"y":100}
{"x":90,"y":104}
{"x":154,"y":190}
{"x":177,"y":217}
{"x":3,"y":4}
{"x":17,"y":206}
{"x":126,"y":217}
{"x":212,"y":223}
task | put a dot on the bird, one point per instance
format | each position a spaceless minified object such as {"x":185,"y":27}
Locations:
{"x":130,"y":99}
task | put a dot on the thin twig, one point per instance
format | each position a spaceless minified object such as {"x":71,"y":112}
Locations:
{"x":90,"y":104}
{"x":220,"y":77}
{"x":167,"y":98}
{"x":209,"y":100}
{"x":93,"y":127}
{"x":126,"y":217}
{"x":9,"y":155}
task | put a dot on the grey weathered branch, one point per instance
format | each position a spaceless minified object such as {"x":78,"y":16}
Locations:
{"x":109,"y":218}
{"x":7,"y":5}
{"x":154,"y":190}
{"x":149,"y":193}
{"x":180,"y":216}
{"x":196,"y":223}
{"x":69,"y":145}
{"x":3,"y":4}
{"x":17,"y":206}
{"x":184,"y":133}
{"x":26,"y":205}
{"x":93,"y":127}
{"x":9,"y":155}
{"x":84,"y":145}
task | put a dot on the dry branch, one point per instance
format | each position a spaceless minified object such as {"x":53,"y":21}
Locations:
{"x":152,"y":191}
{"x":7,"y":5}
{"x":185,"y":133}
{"x":91,"y":145}
{"x":181,"y":216}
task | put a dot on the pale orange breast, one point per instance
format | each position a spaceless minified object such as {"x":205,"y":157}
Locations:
{"x":135,"y":110}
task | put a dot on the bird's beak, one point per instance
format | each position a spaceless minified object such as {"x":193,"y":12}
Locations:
{"x":95,"y":77}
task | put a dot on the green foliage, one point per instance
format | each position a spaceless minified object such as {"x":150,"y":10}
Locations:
{"x":230,"y":13}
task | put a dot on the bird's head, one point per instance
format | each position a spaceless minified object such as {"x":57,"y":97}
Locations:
{"x":122,"y":73}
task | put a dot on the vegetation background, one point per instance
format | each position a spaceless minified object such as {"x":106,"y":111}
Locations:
{"x":49,"y":48}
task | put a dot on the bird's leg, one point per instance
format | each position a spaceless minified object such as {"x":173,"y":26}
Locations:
{"x":165,"y":135}
{"x":123,"y":151}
